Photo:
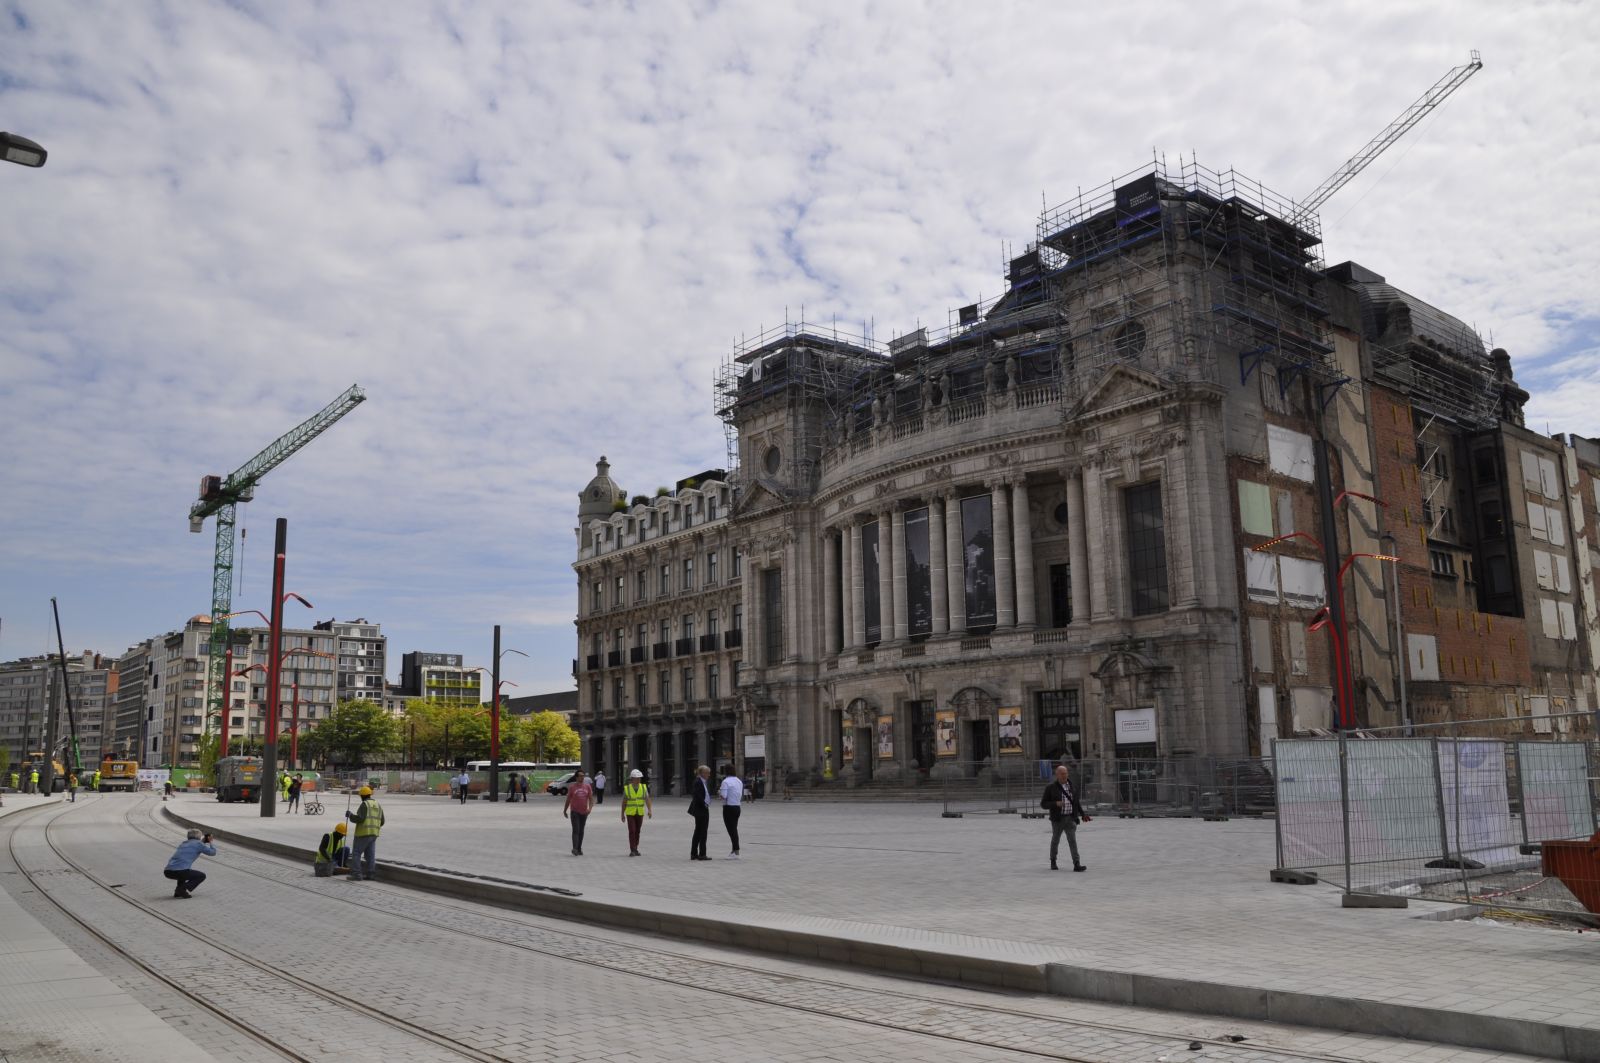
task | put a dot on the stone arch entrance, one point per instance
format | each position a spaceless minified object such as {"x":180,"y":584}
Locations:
{"x":977,"y":712}
{"x":857,"y":733}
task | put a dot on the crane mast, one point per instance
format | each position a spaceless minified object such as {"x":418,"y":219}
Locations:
{"x":220,"y":497}
{"x":1396,"y":129}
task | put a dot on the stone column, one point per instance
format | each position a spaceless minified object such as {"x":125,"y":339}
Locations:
{"x":791,"y":600}
{"x":1077,"y":550}
{"x":830,"y":583}
{"x":703,"y":754}
{"x":955,"y":562}
{"x":858,"y":608}
{"x":1005,"y":592}
{"x":846,"y":591}
{"x":754,"y":618}
{"x":680,"y":739}
{"x":902,"y":623}
{"x":936,"y":567}
{"x":886,"y":545}
{"x":1022,"y":541}
{"x":1101,"y":550}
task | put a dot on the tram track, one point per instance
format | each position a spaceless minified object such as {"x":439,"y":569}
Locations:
{"x":255,"y":1033}
{"x":841,"y":998}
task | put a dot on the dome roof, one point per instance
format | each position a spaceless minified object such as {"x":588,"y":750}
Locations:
{"x":599,"y":497}
{"x":1391,"y":318}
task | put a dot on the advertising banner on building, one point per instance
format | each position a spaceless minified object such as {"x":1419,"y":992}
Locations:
{"x":1010,"y":731}
{"x":847,"y":745}
{"x":919,"y":581}
{"x":869,"y":582}
{"x":1135,"y":726}
{"x":977,"y":560}
{"x":1477,"y":803}
{"x":885,"y":737}
{"x":1394,"y":803}
{"x":1555,"y":790}
{"x":944,"y":733}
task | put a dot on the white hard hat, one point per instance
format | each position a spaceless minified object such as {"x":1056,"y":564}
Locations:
{"x":635,"y":774}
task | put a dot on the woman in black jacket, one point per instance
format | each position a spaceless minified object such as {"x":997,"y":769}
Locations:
{"x":1065,"y":815}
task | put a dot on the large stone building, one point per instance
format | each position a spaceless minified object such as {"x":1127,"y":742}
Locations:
{"x":661,"y":609}
{"x":1102,"y":516}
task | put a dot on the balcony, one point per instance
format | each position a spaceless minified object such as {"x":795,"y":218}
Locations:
{"x":636,"y":655}
{"x":683,"y":647}
{"x":733,"y":639}
{"x":660,"y":651}
{"x":708,"y":643}
{"x":592,"y":664}
{"x":614,"y":659}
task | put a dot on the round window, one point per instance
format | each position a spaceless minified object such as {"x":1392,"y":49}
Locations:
{"x":1061,"y":514}
{"x":1130,"y":340}
{"x":772,"y":460}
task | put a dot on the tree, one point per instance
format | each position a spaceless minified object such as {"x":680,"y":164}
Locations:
{"x":353,"y":733}
{"x":440,"y":732}
{"x":543,"y":736}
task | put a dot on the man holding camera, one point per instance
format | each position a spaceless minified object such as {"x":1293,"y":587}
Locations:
{"x":180,"y":867}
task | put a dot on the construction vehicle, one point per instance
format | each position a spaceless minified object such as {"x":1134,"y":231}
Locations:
{"x":119,"y":775}
{"x":239,"y":779}
{"x":221,"y":497}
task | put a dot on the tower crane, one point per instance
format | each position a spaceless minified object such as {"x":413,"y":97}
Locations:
{"x":220,"y":497}
{"x":1396,"y":129}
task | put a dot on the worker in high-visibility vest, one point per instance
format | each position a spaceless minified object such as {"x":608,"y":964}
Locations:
{"x":94,"y":781}
{"x":636,"y":807}
{"x":33,"y":781}
{"x":15,"y":781}
{"x":368,"y":818}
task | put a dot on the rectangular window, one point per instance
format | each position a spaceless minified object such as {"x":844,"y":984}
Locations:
{"x":1302,"y":581}
{"x":1147,"y":548}
{"x":1260,"y":644}
{"x":616,"y":694}
{"x":688,"y":573}
{"x":664,"y":678}
{"x":977,"y":535}
{"x":737,"y":623}
{"x":621,"y":592}
{"x":666,"y":580}
{"x":1289,"y":453}
{"x":1255,"y":508}
{"x":666,"y":631}
{"x":713,"y":681}
{"x":1568,"y":621}
{"x":1443,"y":563}
{"x":1555,"y":525}
{"x":772,"y":621}
{"x":1562,"y":567}
{"x":1550,"y":618}
{"x":641,"y":585}
{"x":712,"y":623}
{"x":1299,"y":663}
{"x":919,"y":576}
{"x":688,"y":684}
{"x":1060,"y":595}
{"x":1060,"y":724}
{"x":738,"y":563}
{"x":711,"y":568}
{"x":1543,"y":570}
{"x":871,"y":606}
{"x":599,"y":596}
{"x":686,"y":626}
{"x":641,"y":689}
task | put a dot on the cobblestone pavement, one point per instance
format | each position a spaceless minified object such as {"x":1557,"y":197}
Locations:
{"x":1164,"y":897}
{"x":517,"y":986}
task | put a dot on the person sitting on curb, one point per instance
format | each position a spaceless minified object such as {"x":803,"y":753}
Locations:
{"x":180,"y":866}
{"x":333,"y":857}
{"x":368,"y":818}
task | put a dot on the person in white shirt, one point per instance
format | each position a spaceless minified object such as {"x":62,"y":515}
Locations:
{"x":599,"y":785}
{"x":463,"y":781}
{"x":732,"y":793}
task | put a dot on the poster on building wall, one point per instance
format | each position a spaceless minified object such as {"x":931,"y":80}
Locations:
{"x":944,"y":733}
{"x":847,"y":745}
{"x":919,"y":580}
{"x":977,"y":560}
{"x":1010,"y":731}
{"x":870,"y":571}
{"x":885,"y":737}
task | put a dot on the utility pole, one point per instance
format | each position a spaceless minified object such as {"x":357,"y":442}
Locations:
{"x":494,"y":723}
{"x":269,"y":754}
{"x":66,"y":691}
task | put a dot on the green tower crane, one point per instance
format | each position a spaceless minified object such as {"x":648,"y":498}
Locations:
{"x":221,"y":497}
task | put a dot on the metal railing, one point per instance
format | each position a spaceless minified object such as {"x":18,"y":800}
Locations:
{"x":1489,"y":813}
{"x":1183,"y":787}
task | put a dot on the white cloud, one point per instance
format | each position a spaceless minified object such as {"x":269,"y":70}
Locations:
{"x":531,"y":231}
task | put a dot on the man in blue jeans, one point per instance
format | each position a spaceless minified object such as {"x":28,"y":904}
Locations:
{"x":180,"y":868}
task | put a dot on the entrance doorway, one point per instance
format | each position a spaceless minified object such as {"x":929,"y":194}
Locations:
{"x":922,"y":721}
{"x":978,"y":744}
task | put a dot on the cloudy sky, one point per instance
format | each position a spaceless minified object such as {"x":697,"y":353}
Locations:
{"x":531,"y":230}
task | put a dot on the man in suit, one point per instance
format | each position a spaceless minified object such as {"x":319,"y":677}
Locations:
{"x":700,"y":809}
{"x":1065,"y":814}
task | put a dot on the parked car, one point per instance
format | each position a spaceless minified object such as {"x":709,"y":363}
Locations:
{"x":557,"y":787}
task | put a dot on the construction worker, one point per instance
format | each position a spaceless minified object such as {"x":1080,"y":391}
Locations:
{"x":33,"y":781}
{"x":368,"y":818}
{"x":94,"y":781}
{"x":636,"y":807}
{"x":284,"y":783}
{"x":72,"y":787}
{"x":15,"y":780}
{"x":332,"y":853}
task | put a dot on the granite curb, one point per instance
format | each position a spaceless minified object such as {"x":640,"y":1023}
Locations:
{"x":927,"y":961}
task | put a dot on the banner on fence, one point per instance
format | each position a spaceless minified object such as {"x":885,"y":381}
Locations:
{"x":1477,"y":803}
{"x":1394,"y":808}
{"x":1555,"y":790}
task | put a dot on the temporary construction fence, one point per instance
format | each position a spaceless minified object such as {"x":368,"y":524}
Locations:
{"x":1443,"y":815}
{"x":1190,"y":787}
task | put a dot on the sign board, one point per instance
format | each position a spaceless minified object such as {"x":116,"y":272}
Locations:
{"x":1135,"y":726}
{"x":755,"y":746}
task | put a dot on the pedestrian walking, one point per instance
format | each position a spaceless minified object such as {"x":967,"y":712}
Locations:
{"x":180,"y":866}
{"x":700,"y":809}
{"x":368,"y":818}
{"x":524,"y":787}
{"x":1065,"y":815}
{"x":72,"y":788}
{"x":732,"y":794}
{"x":636,"y":807}
{"x":295,"y":786}
{"x":578,"y":805}
{"x":332,"y":853}
{"x":511,"y":788}
{"x":463,"y":783}
{"x":600,"y":787}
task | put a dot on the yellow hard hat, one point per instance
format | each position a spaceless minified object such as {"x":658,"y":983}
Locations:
{"x":365,"y":791}
{"x":340,"y":828}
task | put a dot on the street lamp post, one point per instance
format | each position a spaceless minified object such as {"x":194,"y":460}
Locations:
{"x":494,"y":716}
{"x":1400,"y":656}
{"x":21,"y":151}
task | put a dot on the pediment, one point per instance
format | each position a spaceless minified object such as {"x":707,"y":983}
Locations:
{"x":760,"y":495}
{"x":1122,"y":387}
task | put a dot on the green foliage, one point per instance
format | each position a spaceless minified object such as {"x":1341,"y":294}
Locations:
{"x":441,"y":732}
{"x":543,"y":736}
{"x":354,"y":733}
{"x":207,"y":751}
{"x":5,"y":760}
{"x":640,"y":500}
{"x":619,"y":505}
{"x":662,"y":492}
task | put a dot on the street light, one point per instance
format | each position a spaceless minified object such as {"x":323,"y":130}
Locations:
{"x":21,"y":151}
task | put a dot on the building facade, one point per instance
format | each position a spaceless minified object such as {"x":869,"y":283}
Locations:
{"x":30,"y":689}
{"x":660,"y":628}
{"x":439,"y":677}
{"x":135,"y":709}
{"x":1179,"y":491}
{"x":363,"y":654}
